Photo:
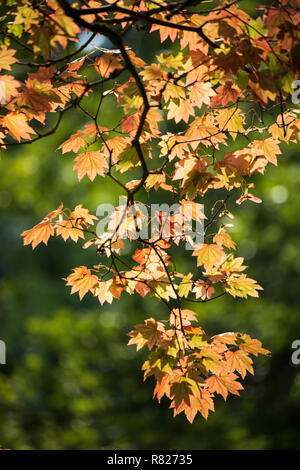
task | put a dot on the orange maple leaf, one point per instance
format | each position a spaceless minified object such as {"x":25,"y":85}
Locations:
{"x":200,"y":93}
{"x":7,"y":58}
{"x":82,"y":281}
{"x":240,"y":361}
{"x":17,"y":126}
{"x":42,"y":231}
{"x":91,"y":164}
{"x":74,"y":143}
{"x":223,"y":238}
{"x":185,"y":317}
{"x":252,"y":346}
{"x":8,"y":87}
{"x":69,"y":228}
{"x":224,"y":383}
{"x":106,"y":64}
{"x":226,"y":93}
{"x":202,"y":404}
{"x":269,"y":148}
{"x":83,"y":215}
{"x":180,"y":110}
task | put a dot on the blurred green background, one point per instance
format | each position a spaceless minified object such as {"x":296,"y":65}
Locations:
{"x":71,"y":382}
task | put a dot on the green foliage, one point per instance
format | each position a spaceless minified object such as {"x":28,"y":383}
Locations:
{"x":70,"y":381}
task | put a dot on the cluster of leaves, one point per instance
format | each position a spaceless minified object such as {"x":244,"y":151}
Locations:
{"x":191,"y":367}
{"x":227,"y":79}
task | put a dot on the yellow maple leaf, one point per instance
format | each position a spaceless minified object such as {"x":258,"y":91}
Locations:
{"x":147,"y":333}
{"x":209,"y":255}
{"x":231,"y":120}
{"x":242,"y":286}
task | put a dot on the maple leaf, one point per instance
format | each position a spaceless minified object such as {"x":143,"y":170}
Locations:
{"x":8,"y":88}
{"x":226,"y":338}
{"x":129,"y":158}
{"x":146,"y":334}
{"x":76,"y":64}
{"x":208,"y":254}
{"x":207,"y":360}
{"x":203,"y":289}
{"x":194,"y":174}
{"x":153,"y":72}
{"x":224,"y":383}
{"x":103,"y":292}
{"x":166,"y":32}
{"x":162,"y":387}
{"x":171,"y":90}
{"x":223,"y":238}
{"x":231,"y":120}
{"x":159,"y":362}
{"x":202,"y":404}
{"x":142,"y":289}
{"x":240,"y":361}
{"x":193,"y":210}
{"x":184,"y":317}
{"x":83,"y":215}
{"x":42,"y":231}
{"x":154,"y":181}
{"x":74,"y":143}
{"x":7,"y":58}
{"x":82,"y":281}
{"x":200,"y":93}
{"x":187,"y":396}
{"x":185,"y":286}
{"x":242,"y":286}
{"x":106,"y":64}
{"x":17,"y":126}
{"x":181,"y":392}
{"x":69,"y":228}
{"x":180,"y":110}
{"x":269,"y":148}
{"x":225,"y":94}
{"x":38,"y":97}
{"x":90,"y":164}
{"x":252,"y":346}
